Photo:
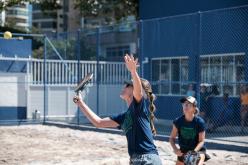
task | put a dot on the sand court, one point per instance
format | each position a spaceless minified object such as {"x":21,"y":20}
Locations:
{"x":45,"y":145}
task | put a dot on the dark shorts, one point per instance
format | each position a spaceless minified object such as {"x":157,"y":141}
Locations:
{"x":202,"y":151}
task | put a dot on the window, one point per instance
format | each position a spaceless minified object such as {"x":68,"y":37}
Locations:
{"x":17,"y":20}
{"x":36,"y":6}
{"x":66,"y":5}
{"x":225,"y":70}
{"x":65,"y":24}
{"x":48,"y":15}
{"x":169,"y":75}
{"x":48,"y":24}
{"x":17,"y":12}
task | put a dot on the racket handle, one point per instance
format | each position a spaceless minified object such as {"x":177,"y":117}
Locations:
{"x":75,"y":100}
{"x":78,"y":92}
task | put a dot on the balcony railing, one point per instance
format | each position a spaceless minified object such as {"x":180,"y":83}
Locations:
{"x":67,"y":72}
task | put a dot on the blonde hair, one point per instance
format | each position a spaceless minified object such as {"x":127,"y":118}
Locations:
{"x":151,"y":97}
{"x":197,"y":111}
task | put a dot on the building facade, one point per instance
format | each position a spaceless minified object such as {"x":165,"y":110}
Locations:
{"x":19,"y":16}
{"x":2,"y":18}
{"x":200,"y":43}
{"x":65,"y":19}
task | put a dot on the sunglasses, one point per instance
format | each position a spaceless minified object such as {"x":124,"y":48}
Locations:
{"x":128,"y":85}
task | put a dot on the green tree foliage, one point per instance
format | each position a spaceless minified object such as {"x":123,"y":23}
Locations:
{"x":117,"y":9}
{"x":45,"y":4}
{"x":68,"y":49}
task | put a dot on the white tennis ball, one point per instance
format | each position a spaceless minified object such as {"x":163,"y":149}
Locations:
{"x":7,"y":35}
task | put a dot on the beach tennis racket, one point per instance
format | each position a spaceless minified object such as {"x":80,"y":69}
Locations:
{"x":191,"y":158}
{"x":81,"y":86}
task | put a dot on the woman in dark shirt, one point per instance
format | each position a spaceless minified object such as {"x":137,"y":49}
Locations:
{"x":136,"y":122}
{"x":190,"y":129}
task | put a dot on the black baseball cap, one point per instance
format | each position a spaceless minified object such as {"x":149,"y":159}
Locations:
{"x":128,"y":82}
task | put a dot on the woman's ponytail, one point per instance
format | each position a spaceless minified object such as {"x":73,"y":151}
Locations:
{"x":152,"y":109}
{"x":151,"y":97}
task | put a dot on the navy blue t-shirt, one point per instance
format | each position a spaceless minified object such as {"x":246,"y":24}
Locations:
{"x":188,"y":132}
{"x":135,"y":123}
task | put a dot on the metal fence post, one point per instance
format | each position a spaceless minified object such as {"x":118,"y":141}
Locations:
{"x":140,"y":47}
{"x":197,"y":58}
{"x":45,"y":86}
{"x":97,"y":68}
{"x":78,"y":69}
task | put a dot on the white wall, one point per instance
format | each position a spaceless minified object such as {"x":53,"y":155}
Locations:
{"x":60,"y":104}
{"x":13,"y":90}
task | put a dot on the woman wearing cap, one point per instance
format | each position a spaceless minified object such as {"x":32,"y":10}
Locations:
{"x":136,"y":122}
{"x":190,"y":129}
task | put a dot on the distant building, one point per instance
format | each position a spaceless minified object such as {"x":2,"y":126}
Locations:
{"x":18,"y":16}
{"x":116,"y":40}
{"x":65,"y":19}
{"x":44,"y":22}
{"x":2,"y":18}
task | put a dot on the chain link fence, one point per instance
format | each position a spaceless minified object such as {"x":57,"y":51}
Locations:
{"x":204,"y":55}
{"x":200,"y":54}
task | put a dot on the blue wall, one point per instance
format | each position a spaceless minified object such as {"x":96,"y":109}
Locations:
{"x":13,"y":113}
{"x":12,"y":48}
{"x":191,"y":35}
{"x":224,"y":32}
{"x":205,"y":33}
{"x":170,"y":107}
{"x":164,"y":8}
{"x":170,"y":38}
{"x":217,"y":104}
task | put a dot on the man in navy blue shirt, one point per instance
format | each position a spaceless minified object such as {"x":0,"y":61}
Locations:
{"x":136,"y":122}
{"x":190,"y":129}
